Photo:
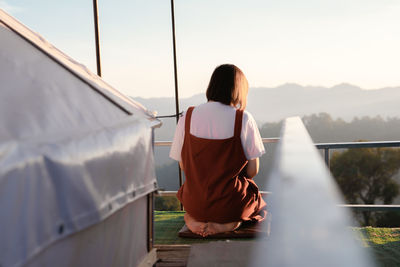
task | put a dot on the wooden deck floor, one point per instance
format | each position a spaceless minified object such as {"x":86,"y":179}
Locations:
{"x":220,"y":253}
{"x":172,"y":255}
{"x":175,"y":251}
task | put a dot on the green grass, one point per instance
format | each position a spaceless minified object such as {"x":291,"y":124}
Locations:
{"x":384,"y":242}
{"x":167,"y":225}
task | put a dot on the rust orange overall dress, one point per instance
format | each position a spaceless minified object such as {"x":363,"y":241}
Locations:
{"x":216,"y":189}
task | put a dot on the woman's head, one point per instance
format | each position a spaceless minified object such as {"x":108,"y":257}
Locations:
{"x":229,"y":86}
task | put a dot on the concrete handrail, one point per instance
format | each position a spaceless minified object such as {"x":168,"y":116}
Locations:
{"x":308,"y":227}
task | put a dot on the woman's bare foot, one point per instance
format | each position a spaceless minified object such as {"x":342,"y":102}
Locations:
{"x":195,"y":226}
{"x":215,"y":228}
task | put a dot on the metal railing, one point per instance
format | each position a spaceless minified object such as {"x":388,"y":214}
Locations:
{"x":326,"y":147}
{"x":173,"y":193}
{"x":169,"y":143}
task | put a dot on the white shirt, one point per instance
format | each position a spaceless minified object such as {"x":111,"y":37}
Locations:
{"x":214,"y":120}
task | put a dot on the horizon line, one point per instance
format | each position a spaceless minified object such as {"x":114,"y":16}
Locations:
{"x":336,"y":86}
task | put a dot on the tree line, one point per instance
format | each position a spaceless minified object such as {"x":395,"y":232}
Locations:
{"x":323,"y":128}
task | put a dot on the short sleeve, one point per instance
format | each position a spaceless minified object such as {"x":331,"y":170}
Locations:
{"x":177,"y":142}
{"x":251,"y":139}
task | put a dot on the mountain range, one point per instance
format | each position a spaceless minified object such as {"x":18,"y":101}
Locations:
{"x":344,"y":101}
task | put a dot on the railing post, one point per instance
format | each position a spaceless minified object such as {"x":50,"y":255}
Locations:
{"x":326,"y":154}
{"x":176,"y":81}
{"x":150,"y":221}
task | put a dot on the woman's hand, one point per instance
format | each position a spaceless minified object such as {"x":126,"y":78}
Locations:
{"x":252,"y":167}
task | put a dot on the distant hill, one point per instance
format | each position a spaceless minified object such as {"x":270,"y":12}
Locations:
{"x":341,"y":101}
{"x":344,"y":101}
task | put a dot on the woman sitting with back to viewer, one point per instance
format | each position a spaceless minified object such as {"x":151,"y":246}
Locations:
{"x":218,"y":145}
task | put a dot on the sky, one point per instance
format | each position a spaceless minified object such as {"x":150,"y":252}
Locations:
{"x":309,"y":42}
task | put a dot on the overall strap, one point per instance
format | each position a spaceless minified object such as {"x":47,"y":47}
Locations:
{"x":187,"y":120}
{"x":238,"y":123}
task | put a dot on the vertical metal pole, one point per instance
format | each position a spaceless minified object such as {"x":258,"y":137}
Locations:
{"x":97,"y":38}
{"x":150,"y":221}
{"x":326,"y":154}
{"x":150,"y":208}
{"x":176,"y":81}
{"x":175,"y":65}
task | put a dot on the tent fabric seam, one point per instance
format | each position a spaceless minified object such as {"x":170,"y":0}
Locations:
{"x":15,"y":144}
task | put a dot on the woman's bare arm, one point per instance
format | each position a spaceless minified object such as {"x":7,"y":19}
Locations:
{"x":181,"y":165}
{"x":252,"y":167}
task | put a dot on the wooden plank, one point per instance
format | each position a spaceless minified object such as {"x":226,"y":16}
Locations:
{"x":172,"y":255}
{"x":222,"y":253}
{"x":150,"y":259}
{"x":171,"y":264}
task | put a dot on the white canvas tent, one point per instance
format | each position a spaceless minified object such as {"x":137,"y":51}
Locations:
{"x":76,"y":160}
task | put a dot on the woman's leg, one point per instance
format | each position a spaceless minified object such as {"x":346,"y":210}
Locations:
{"x":195,"y":226}
{"x":215,"y":228}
